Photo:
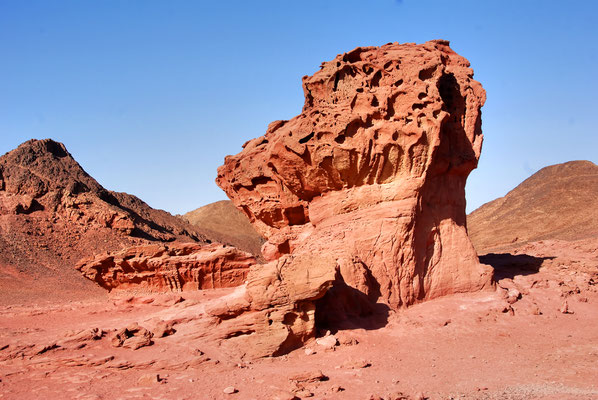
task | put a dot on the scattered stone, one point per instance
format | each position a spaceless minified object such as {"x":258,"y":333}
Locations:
{"x":535,"y":310}
{"x":508,"y":309}
{"x":230,"y":390}
{"x":133,"y":337}
{"x":513,"y":295}
{"x":164,"y":329}
{"x":85,"y":335}
{"x":419,"y":396}
{"x":348,"y":341}
{"x":356,"y":364}
{"x":303,"y":393}
{"x":565,"y":308}
{"x":309,"y":351}
{"x":328,"y":342}
{"x":308,"y":377}
{"x":398,"y":396}
{"x":149,"y":379}
{"x":336,"y":389}
{"x":283,"y":395}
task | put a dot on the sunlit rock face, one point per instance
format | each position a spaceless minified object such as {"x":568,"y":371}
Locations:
{"x":371,"y":175}
{"x":173,"y":267}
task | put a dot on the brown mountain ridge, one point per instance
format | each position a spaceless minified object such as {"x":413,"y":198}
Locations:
{"x":223,"y":222}
{"x":557,"y":202}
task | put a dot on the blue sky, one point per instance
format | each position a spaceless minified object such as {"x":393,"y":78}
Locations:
{"x":149,"y":96}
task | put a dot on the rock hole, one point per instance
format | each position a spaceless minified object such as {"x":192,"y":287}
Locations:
{"x":359,"y":90}
{"x":375,"y":102}
{"x":295,"y":215}
{"x":289,"y":318}
{"x":422,"y":95}
{"x":340,"y":139}
{"x":368,"y":69}
{"x":336,"y":79}
{"x":376,"y":79}
{"x":398,"y":83}
{"x":353,"y":56}
{"x":417,"y":106}
{"x":352,"y":128}
{"x":395,"y":135}
{"x":306,"y":138}
{"x":284,"y":248}
{"x":427,"y":73}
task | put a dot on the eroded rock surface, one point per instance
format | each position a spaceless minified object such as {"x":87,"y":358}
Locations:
{"x":169,"y":267}
{"x":370,"y":177}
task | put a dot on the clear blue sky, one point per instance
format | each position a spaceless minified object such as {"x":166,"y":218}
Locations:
{"x":149,"y":96}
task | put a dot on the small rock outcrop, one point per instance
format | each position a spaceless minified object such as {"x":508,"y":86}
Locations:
{"x":169,"y":267}
{"x":368,"y":182}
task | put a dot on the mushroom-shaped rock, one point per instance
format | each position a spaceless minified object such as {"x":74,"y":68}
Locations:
{"x":371,"y":176}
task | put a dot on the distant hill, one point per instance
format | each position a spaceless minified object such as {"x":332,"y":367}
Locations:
{"x":557,"y":202}
{"x":225,"y":223}
{"x":52,"y":214}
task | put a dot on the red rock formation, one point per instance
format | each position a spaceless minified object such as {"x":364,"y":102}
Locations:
{"x":174,"y":267}
{"x":371,"y":175}
{"x":52,"y":214}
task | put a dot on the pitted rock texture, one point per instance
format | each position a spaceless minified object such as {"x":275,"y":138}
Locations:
{"x":372,"y":174}
{"x":172,"y":267}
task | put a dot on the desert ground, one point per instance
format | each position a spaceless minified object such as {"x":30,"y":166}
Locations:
{"x":534,"y":337}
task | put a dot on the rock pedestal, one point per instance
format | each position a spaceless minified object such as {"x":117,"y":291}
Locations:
{"x":370,"y":179}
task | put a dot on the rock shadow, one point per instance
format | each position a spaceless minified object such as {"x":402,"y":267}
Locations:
{"x":344,"y":307}
{"x":508,"y":265}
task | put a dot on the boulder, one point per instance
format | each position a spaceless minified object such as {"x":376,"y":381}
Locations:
{"x":369,"y":183}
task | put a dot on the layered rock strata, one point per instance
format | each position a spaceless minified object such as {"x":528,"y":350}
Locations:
{"x":370,"y":180}
{"x":172,"y":267}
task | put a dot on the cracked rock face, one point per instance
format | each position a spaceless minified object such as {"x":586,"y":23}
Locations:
{"x":371,"y":175}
